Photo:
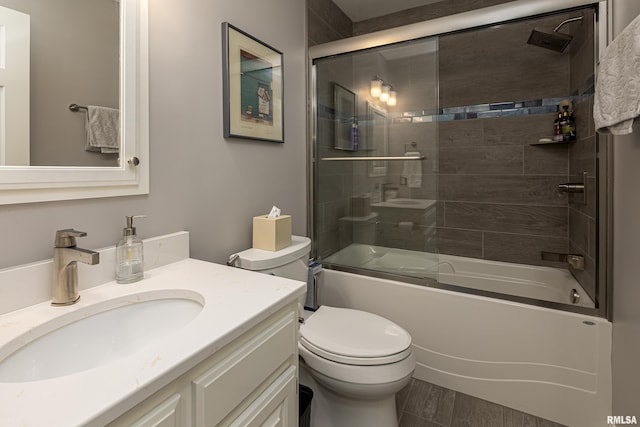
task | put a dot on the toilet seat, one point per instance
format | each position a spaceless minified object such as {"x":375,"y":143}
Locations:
{"x":354,"y":337}
{"x":359,"y":374}
{"x":359,"y":361}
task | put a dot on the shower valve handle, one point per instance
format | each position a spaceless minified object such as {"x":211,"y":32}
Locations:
{"x":571,"y":187}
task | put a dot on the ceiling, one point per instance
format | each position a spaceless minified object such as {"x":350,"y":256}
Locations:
{"x":359,"y":10}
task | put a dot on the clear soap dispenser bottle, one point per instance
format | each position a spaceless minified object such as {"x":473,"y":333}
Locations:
{"x":129,"y":257}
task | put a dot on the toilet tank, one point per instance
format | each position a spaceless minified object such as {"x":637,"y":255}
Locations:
{"x":290,"y":262}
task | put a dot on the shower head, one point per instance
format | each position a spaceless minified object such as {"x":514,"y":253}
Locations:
{"x":549,"y":40}
{"x":552,"y":39}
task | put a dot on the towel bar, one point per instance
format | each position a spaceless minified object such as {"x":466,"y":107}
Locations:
{"x":76,"y":107}
{"x":372,"y":158}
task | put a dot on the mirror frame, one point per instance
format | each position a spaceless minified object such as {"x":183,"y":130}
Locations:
{"x":25,"y":184}
{"x":345,"y":104}
{"x":377,"y":167}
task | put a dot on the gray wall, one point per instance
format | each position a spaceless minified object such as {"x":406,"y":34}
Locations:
{"x":626,"y":235}
{"x":199,"y":181}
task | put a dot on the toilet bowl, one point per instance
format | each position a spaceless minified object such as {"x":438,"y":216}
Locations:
{"x":354,"y":361}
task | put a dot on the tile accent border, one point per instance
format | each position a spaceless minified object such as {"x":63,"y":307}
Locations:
{"x":483,"y":111}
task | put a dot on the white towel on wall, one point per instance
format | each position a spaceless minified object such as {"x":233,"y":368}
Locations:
{"x":412,"y":170}
{"x":102,"y":129}
{"x":617,"y":96}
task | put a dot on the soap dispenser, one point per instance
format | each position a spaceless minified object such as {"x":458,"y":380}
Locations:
{"x":129,"y":257}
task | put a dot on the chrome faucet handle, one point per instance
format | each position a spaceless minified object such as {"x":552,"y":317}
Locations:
{"x":67,"y":238}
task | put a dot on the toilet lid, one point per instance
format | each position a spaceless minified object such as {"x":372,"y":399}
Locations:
{"x":354,"y":337}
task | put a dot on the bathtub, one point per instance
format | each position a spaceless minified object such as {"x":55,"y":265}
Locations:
{"x":549,"y":363}
{"x":519,"y":280}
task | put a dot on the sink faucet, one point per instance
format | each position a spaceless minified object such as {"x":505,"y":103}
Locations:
{"x":65,"y":266}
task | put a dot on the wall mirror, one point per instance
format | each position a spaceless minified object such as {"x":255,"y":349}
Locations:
{"x":377,"y":138}
{"x":70,"y":52}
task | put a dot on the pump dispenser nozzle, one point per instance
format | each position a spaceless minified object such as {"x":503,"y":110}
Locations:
{"x":130,"y":230}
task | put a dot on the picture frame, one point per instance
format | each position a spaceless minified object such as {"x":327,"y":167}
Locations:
{"x":253,"y":87}
{"x":345,"y":107}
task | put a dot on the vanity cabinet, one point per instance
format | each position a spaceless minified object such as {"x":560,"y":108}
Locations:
{"x":251,"y":381}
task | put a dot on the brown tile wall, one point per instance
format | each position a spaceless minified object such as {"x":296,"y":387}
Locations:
{"x":498,"y":196}
{"x":326,"y":22}
{"x":497,"y":192}
{"x":422,"y":13}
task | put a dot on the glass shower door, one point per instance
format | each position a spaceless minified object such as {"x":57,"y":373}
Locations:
{"x":375,"y":159}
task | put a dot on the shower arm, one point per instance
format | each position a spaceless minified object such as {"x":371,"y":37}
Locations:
{"x":566,"y":21}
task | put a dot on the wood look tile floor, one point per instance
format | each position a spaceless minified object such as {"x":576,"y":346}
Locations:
{"x":421,"y":404}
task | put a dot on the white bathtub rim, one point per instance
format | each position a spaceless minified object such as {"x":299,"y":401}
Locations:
{"x":557,"y":281}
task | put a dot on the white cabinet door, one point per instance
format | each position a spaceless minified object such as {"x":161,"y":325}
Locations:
{"x":275,"y":407}
{"x":220,"y":389}
{"x":163,"y":415}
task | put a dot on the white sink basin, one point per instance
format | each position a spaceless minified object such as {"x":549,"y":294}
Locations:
{"x":96,"y":335}
{"x":402,"y":203}
{"x":410,"y":202}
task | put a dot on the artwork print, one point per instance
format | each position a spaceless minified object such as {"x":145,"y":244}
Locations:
{"x":253,"y":88}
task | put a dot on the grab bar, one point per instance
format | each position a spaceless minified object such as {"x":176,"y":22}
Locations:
{"x":75,"y":107}
{"x":372,"y":158}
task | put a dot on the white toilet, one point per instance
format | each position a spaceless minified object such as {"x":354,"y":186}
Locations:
{"x":355,"y":362}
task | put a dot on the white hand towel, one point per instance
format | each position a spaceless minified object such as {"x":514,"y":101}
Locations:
{"x":412,"y":170}
{"x":102,"y":129}
{"x":617,"y":96}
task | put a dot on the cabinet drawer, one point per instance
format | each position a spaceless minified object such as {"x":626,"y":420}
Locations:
{"x":220,"y":389}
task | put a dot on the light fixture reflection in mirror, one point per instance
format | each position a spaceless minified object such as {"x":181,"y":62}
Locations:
{"x":384,"y":96}
{"x":383,"y":91}
{"x":393,"y":98}
{"x":60,"y":181}
{"x":376,"y":87}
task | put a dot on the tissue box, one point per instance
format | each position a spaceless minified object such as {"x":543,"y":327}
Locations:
{"x":271,"y":234}
{"x":360,"y":205}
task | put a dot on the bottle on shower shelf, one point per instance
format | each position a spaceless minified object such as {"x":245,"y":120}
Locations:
{"x":557,"y":128}
{"x":355,"y":137}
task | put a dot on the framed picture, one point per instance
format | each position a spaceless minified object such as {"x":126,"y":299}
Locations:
{"x":344,"y":105}
{"x":253,"y":87}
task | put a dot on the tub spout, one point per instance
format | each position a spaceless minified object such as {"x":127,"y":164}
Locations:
{"x":575,"y":261}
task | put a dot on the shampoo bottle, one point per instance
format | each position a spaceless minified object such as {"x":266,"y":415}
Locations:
{"x":129,"y":257}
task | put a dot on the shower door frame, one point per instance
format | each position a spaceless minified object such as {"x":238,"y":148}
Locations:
{"x":476,"y":19}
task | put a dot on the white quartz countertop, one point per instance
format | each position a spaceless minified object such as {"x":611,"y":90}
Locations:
{"x":234,"y":301}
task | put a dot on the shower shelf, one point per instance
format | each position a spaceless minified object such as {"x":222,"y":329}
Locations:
{"x":548,"y":141}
